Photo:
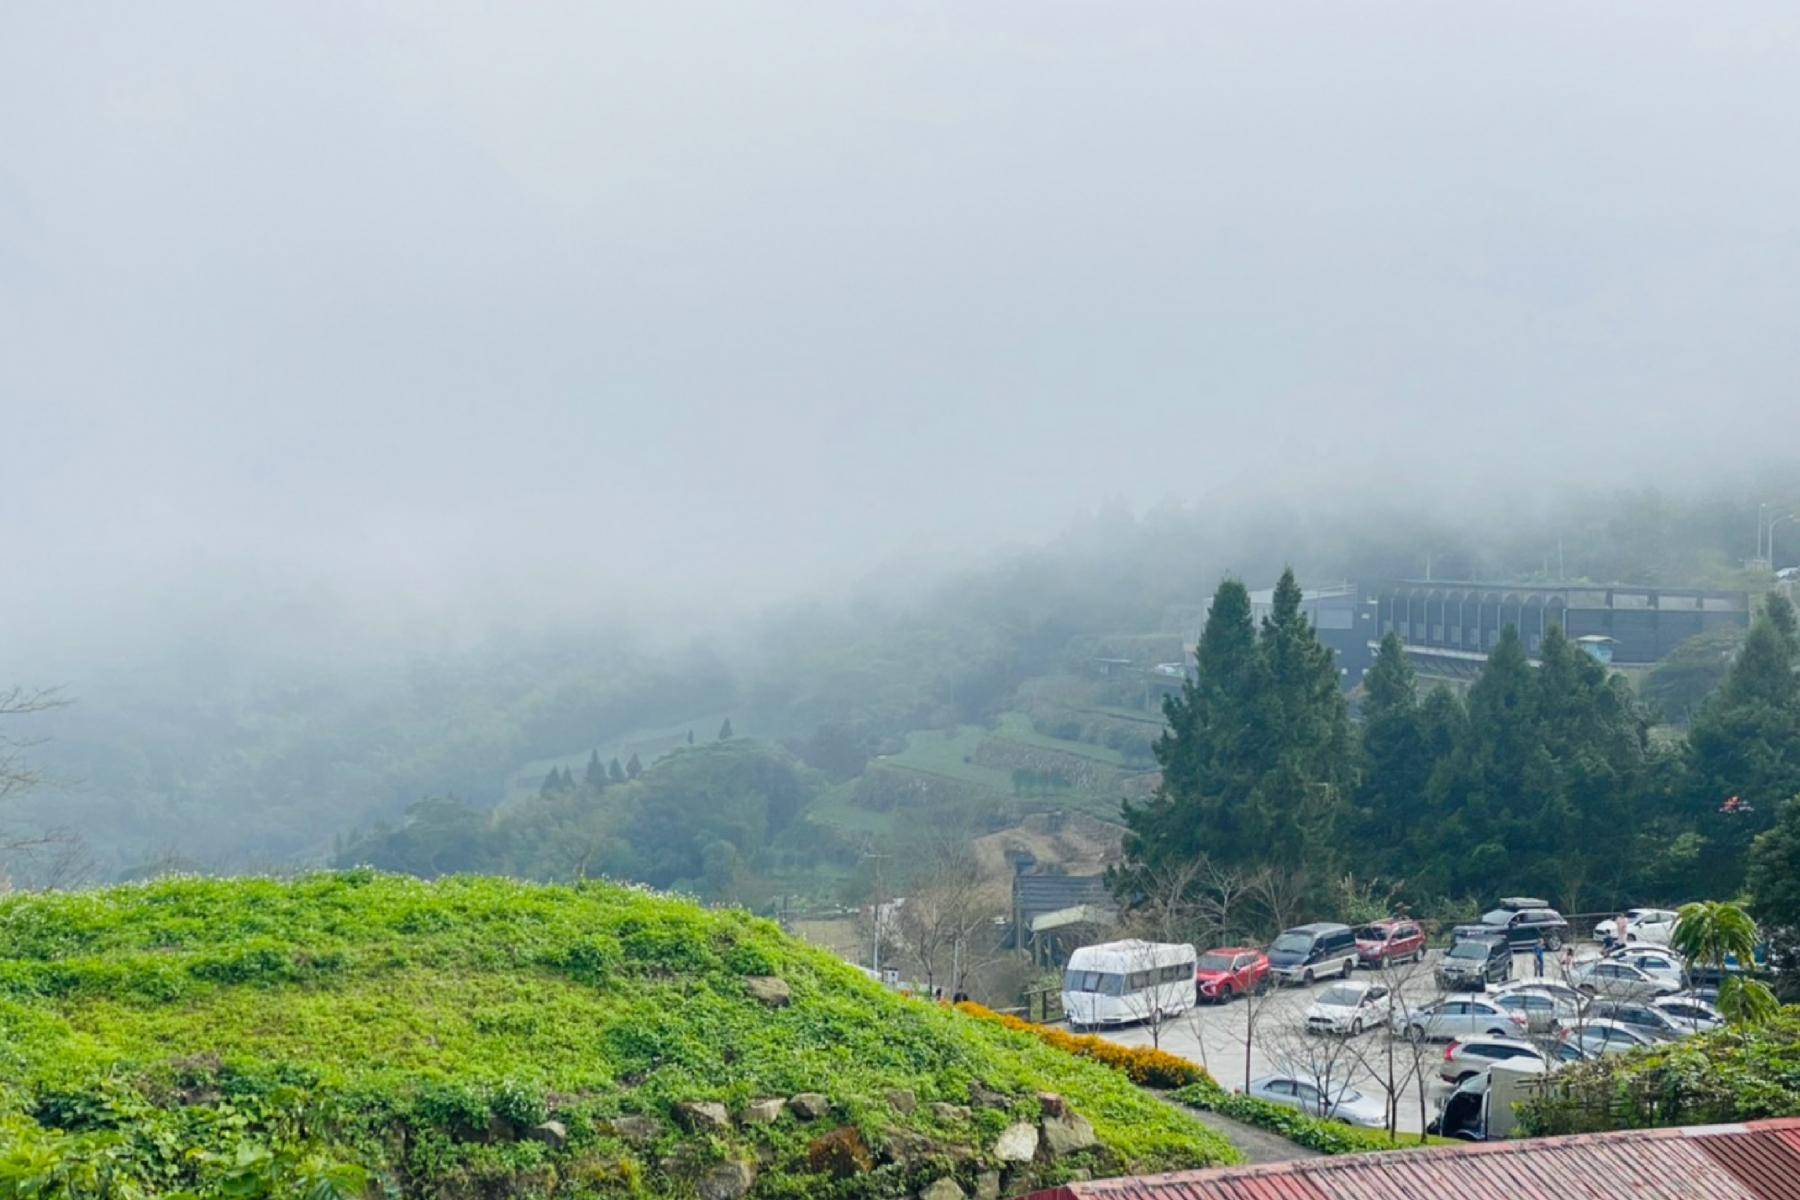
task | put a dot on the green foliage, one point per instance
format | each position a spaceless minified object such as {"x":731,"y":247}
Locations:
{"x":1325,"y":1136}
{"x":1774,"y":883}
{"x":355,"y":1032}
{"x":1711,"y":933}
{"x":1740,"y":1073}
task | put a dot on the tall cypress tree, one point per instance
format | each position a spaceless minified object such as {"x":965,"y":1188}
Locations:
{"x":615,"y":771}
{"x":595,"y":775}
{"x":633,"y":768}
{"x":1396,"y":765}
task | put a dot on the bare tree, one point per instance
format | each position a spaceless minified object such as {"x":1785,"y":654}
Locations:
{"x":1220,"y":903}
{"x":1253,"y":1005}
{"x":946,"y":911}
{"x":1398,"y":1062}
{"x":17,"y":775}
{"x":38,"y":858}
{"x":1327,"y":1063}
{"x":1279,"y":892}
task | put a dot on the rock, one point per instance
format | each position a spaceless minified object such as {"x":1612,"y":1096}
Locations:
{"x":810,"y":1106}
{"x":763,"y":1112}
{"x":1068,"y":1134}
{"x":702,"y":1116}
{"x":987,"y":1186}
{"x":982,"y":1096}
{"x":840,"y":1154}
{"x":768,"y":989}
{"x":1017,"y":1143}
{"x":727,"y":1181}
{"x":949,"y":1113}
{"x":635,"y":1128}
{"x":1052,"y":1104}
{"x":943,"y":1189}
{"x":901,"y":1100}
{"x":553,"y":1134}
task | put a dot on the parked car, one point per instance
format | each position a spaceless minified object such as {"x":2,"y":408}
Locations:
{"x":1653,"y":961}
{"x":1473,"y":963}
{"x":1345,"y":1103}
{"x":1545,"y":1012}
{"x":1641,"y":1017}
{"x":1650,"y":925}
{"x":1308,"y":952}
{"x":1620,"y":980}
{"x":1526,"y":926}
{"x":1691,"y":1013}
{"x":1595,"y":1038}
{"x":1561,"y":992}
{"x":1385,"y":942}
{"x":1463,"y":1059}
{"x":1230,"y":971}
{"x":1114,"y":983}
{"x":1348,"y":1008}
{"x":1456,"y":1017}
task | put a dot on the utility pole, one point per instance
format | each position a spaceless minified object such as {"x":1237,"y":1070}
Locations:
{"x":875,"y":950}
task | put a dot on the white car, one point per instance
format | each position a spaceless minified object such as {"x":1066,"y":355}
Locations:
{"x":1690,"y":1013}
{"x":1348,"y":1008}
{"x":1458,"y":1016}
{"x":1545,"y":1011}
{"x":1347,"y":1104}
{"x":1654,"y":961}
{"x":1621,"y":980}
{"x":1595,"y":1038}
{"x":1464,"y":1059}
{"x":1650,"y":925}
{"x":1561,"y":992}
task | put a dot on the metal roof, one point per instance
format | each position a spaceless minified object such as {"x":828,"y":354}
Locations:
{"x":1756,"y":1161}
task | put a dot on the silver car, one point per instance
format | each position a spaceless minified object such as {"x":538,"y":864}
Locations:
{"x":1544,"y":1011}
{"x":1595,"y":1038}
{"x":1690,"y":1013}
{"x":1465,"y":1059}
{"x":1617,"y":980}
{"x":1346,"y":1103}
{"x":1459,"y":1016}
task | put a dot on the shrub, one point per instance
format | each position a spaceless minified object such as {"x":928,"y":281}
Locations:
{"x":1143,"y":1064}
{"x":1327,"y":1137}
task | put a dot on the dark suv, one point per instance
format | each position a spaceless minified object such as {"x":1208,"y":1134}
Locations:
{"x":1524,"y":921}
{"x":1472,"y":963}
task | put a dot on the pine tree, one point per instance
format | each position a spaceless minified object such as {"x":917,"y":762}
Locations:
{"x":595,"y":776}
{"x":725,"y":730}
{"x":1396,"y":766}
{"x":1745,"y":743}
{"x":616,"y":771}
{"x":633,"y":768}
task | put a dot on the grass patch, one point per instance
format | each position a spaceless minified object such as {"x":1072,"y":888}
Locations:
{"x":354,"y":1031}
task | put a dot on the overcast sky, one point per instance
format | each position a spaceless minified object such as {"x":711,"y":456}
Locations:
{"x":443,"y":300}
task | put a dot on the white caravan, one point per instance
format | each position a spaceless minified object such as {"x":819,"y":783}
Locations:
{"x":1119,"y":982}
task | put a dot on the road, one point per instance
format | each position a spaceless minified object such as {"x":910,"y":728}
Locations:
{"x":1214,"y":1036}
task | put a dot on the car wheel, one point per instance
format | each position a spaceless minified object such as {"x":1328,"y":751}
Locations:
{"x":1356,"y":1027}
{"x":1226,"y":993}
{"x":1415,"y":1033}
{"x":1306,"y":977}
{"x":1587,"y":989}
{"x":1553,"y":942}
{"x":1490,"y":1033}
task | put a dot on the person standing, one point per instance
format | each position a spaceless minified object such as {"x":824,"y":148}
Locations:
{"x":1619,"y":925}
{"x":1568,"y":960}
{"x":1537,"y":957}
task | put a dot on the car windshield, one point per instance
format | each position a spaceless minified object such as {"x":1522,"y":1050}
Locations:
{"x":1341,"y":997}
{"x":1292,"y":943}
{"x":1099,"y":982}
{"x":1371,"y":933}
{"x":1499,"y":916}
{"x":1215,"y":962}
{"x":1469,"y":950}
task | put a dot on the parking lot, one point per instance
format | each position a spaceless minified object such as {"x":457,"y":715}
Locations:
{"x":1214,"y":1036}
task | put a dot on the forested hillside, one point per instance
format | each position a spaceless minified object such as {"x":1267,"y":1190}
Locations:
{"x":970,"y":700}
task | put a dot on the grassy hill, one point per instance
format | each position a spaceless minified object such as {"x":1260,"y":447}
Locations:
{"x":358,"y":1033}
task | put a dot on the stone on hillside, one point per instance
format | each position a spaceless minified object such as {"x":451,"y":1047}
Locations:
{"x":983,"y":1096}
{"x":636,"y":1128}
{"x":987,"y":1186}
{"x":763,"y":1112}
{"x":553,"y":1134}
{"x":901,"y":1100}
{"x":810,"y":1106}
{"x":727,"y":1181}
{"x":1052,"y":1104}
{"x":1068,"y":1134}
{"x":841,"y":1154}
{"x":703,"y":1116}
{"x":943,"y":1189}
{"x":1017,"y":1143}
{"x":949,"y":1113}
{"x":768,"y":989}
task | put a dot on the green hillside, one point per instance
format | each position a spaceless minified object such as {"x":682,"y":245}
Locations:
{"x":482,"y":1037}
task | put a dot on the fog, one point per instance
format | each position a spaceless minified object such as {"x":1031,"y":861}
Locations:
{"x":392,"y":310}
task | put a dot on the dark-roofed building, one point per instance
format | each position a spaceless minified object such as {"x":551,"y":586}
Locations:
{"x":1755,"y":1161}
{"x":1044,"y":905}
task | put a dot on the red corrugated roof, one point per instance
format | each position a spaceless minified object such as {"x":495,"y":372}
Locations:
{"x":1757,"y":1161}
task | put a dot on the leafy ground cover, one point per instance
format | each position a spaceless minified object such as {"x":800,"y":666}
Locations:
{"x":1740,"y":1073}
{"x":354,"y":1032}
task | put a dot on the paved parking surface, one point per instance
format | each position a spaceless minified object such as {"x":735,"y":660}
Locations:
{"x":1214,"y":1036}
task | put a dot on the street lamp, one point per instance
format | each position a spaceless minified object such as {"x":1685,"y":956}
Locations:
{"x":1793,"y":516}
